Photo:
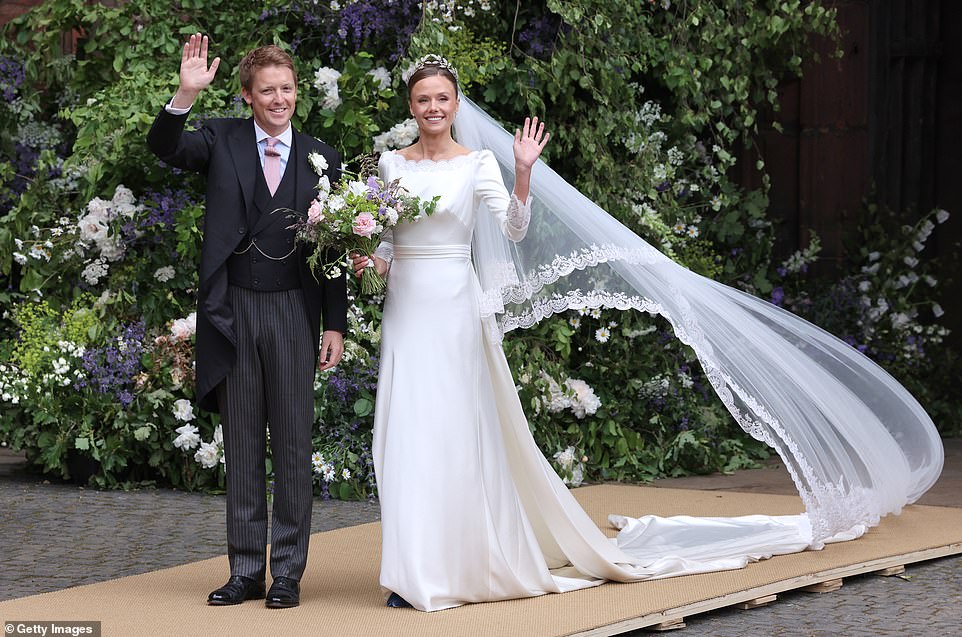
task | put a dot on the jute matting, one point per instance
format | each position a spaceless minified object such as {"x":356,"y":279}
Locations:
{"x":341,"y":597}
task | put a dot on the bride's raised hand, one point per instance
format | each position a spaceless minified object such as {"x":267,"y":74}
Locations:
{"x":529,"y":142}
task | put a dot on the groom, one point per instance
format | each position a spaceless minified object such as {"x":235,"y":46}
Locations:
{"x":259,"y":309}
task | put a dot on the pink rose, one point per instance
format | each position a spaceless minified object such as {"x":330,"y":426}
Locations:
{"x":315,"y":213}
{"x":364,"y":225}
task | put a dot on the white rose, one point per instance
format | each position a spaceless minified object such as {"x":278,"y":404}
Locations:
{"x":182,"y":329}
{"x":325,"y":77}
{"x":188,"y":438}
{"x":207,"y":455}
{"x":123,"y":195}
{"x":183,"y":410}
{"x":318,"y":162}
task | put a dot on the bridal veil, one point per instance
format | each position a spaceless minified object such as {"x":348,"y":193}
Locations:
{"x":856,"y":443}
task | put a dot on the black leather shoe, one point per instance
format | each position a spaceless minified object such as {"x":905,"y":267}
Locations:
{"x":396,"y":601}
{"x":285,"y":593}
{"x":237,"y":589}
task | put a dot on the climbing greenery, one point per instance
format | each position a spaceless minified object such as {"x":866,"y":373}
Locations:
{"x":650,"y":104}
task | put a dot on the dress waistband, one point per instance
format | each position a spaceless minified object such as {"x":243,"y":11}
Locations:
{"x":432,"y":252}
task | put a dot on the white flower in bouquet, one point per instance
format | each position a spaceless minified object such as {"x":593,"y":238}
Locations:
{"x":350,"y":219}
{"x":391,"y":214}
{"x":324,"y":184}
{"x":188,"y":437}
{"x":208,"y":455}
{"x":183,"y":410}
{"x":941,"y":215}
{"x":317,"y":460}
{"x":219,"y":435}
{"x":345,"y":474}
{"x":357,"y":188}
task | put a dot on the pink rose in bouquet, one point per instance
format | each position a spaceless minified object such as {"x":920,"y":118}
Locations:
{"x":316,"y":212}
{"x":365,"y":225}
{"x":350,"y":216}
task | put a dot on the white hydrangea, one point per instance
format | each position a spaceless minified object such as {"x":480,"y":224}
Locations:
{"x":165,"y":273}
{"x":585,"y":402}
{"x":325,"y":81}
{"x":572,"y":471}
{"x":398,"y":136}
{"x":382,"y":76}
{"x":408,"y":72}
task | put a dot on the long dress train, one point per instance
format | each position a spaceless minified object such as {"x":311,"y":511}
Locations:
{"x":471,"y":510}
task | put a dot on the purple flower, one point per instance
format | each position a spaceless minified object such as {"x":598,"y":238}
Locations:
{"x":782,"y":271}
{"x":11,"y":77}
{"x":778,"y":295}
{"x":111,"y":368}
{"x":537,"y":38}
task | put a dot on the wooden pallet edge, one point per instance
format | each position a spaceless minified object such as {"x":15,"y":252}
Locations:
{"x":681,"y":612}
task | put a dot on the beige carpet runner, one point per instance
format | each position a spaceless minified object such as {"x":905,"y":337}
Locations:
{"x":340,"y":595}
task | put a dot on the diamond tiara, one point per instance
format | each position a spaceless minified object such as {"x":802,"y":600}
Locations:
{"x":435,"y":60}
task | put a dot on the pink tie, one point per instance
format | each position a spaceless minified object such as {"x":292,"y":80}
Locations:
{"x":272,"y":165}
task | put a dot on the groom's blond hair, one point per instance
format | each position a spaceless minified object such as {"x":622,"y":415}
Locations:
{"x":261,"y":57}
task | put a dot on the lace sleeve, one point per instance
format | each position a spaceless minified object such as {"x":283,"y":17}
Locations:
{"x":518,"y":216}
{"x":512,"y":215}
{"x":385,"y":249}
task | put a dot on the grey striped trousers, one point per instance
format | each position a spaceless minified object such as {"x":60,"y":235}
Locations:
{"x":271,"y":385}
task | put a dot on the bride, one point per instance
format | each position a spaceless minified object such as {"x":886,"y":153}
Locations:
{"x":470,"y":509}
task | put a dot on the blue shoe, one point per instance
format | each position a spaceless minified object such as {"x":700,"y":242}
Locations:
{"x":396,"y":601}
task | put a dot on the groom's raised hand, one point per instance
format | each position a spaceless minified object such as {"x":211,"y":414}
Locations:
{"x":195,"y":75}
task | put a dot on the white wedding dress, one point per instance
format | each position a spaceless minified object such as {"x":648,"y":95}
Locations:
{"x":470,"y":509}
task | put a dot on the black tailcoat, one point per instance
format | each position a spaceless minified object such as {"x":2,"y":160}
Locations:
{"x":225,"y":150}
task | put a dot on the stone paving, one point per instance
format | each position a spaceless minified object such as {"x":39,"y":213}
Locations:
{"x":59,"y":535}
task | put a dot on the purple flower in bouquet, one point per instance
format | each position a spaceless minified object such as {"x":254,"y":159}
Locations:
{"x":351,"y":216}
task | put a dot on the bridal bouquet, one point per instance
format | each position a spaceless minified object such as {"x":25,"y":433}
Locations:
{"x":351,"y":216}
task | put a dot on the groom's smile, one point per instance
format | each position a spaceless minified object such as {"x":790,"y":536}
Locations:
{"x":272,"y":96}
